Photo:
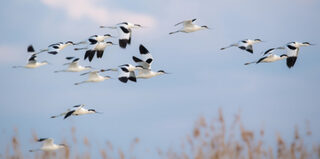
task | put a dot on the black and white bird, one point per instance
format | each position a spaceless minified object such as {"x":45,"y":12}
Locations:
{"x":94,"y":77}
{"x":269,"y":58}
{"x":32,"y":62}
{"x":189,"y":27}
{"x":145,"y":63}
{"x":48,"y":145}
{"x":75,"y":111}
{"x":57,"y":47}
{"x":95,"y":38}
{"x":292,"y":51}
{"x":94,"y":48}
{"x":246,"y":44}
{"x":74,"y":66}
{"x":124,"y":31}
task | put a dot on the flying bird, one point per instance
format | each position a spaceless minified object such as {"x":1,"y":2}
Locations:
{"x":124,"y":31}
{"x":189,"y":27}
{"x":246,"y":45}
{"x":292,"y":51}
{"x":94,"y":48}
{"x":95,"y":38}
{"x":56,"y":48}
{"x":74,"y":66}
{"x":75,"y":111}
{"x":269,"y":58}
{"x":126,"y":72}
{"x":32,"y":62}
{"x":48,"y":145}
{"x":94,"y":77}
{"x":145,"y":63}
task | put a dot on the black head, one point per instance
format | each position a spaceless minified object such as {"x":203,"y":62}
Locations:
{"x":284,"y":55}
{"x":69,"y":42}
{"x":127,"y":65}
{"x":91,"y":110}
{"x":161,"y":71}
{"x":306,"y":43}
{"x":107,"y":35}
{"x":137,"y":25}
{"x":204,"y":26}
{"x":109,"y":42}
{"x":259,"y":40}
{"x":64,"y":145}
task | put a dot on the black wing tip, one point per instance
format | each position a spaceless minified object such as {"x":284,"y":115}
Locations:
{"x":133,"y":79}
{"x":291,"y":61}
{"x":30,"y":48}
{"x":250,"y":51}
{"x":53,"y":52}
{"x":123,"y":43}
{"x":135,"y":59}
{"x":123,"y":79}
{"x":68,"y":114}
{"x":42,"y":139}
{"x":143,"y":50}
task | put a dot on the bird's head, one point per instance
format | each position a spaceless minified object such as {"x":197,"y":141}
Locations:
{"x":306,"y":44}
{"x":137,"y":25}
{"x":110,"y":43}
{"x":205,"y":27}
{"x":70,"y":43}
{"x":139,"y":67}
{"x":107,"y":35}
{"x":284,"y":55}
{"x":63,"y":145}
{"x":162,"y":72}
{"x":257,"y":40}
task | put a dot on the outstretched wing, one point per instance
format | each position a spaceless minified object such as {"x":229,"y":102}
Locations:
{"x":124,"y":74}
{"x":292,"y":53}
{"x":146,"y":58}
{"x":69,"y":114}
{"x":32,"y":59}
{"x":124,"y":36}
{"x":186,"y":23}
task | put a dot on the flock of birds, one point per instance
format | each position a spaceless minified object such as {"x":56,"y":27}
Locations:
{"x":95,"y":46}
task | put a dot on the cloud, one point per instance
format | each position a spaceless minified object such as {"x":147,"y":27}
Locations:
{"x":98,"y":13}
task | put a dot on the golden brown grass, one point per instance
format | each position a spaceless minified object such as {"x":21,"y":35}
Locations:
{"x":208,"y":140}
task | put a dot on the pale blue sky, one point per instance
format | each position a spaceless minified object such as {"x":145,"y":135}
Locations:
{"x":161,"y":111}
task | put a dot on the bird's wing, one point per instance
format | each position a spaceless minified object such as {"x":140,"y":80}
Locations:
{"x":76,"y":60}
{"x":123,"y":74}
{"x":124,"y":36}
{"x":244,"y":45}
{"x":30,"y":49}
{"x":93,"y":74}
{"x":146,"y":58}
{"x":186,"y":23}
{"x":32,"y":59}
{"x":54,"y":49}
{"x":70,"y":57}
{"x":69,"y":114}
{"x":292,"y":56}
{"x":48,"y":142}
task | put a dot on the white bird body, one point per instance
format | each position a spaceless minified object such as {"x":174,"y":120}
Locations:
{"x":246,"y":44}
{"x":57,"y":47}
{"x":189,"y":27}
{"x":269,"y":58}
{"x":145,"y":73}
{"x":48,"y":145}
{"x":35,"y":64}
{"x":77,"y":110}
{"x":94,"y":77}
{"x":74,"y":66}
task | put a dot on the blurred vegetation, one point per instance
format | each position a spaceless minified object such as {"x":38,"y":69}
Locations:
{"x":208,"y":140}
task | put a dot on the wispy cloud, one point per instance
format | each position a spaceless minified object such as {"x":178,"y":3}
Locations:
{"x":97,"y":12}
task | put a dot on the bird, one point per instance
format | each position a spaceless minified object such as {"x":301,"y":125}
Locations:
{"x":94,"y":77}
{"x":95,"y":38}
{"x":189,"y":27}
{"x":74,"y":66}
{"x":292,"y":51}
{"x":269,"y":58}
{"x":48,"y":145}
{"x":145,"y":63}
{"x":56,"y":48}
{"x":98,"y":47}
{"x":244,"y":45}
{"x":32,"y":62}
{"x":76,"y":110}
{"x":126,"y":72}
{"x":124,"y":31}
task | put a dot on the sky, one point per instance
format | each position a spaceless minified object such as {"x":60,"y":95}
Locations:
{"x":162,"y":110}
